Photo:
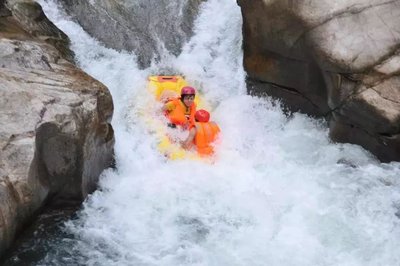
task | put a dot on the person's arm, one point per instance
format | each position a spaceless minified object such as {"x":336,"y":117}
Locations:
{"x":189,"y":140}
{"x":169,"y":106}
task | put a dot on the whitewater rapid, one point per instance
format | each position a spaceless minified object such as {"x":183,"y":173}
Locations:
{"x":279,"y":193}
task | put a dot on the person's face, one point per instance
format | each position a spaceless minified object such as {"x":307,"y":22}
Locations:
{"x":188,"y":100}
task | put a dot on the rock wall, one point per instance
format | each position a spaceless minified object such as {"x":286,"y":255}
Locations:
{"x":55,"y":132}
{"x":339,"y":60}
{"x":146,"y":27}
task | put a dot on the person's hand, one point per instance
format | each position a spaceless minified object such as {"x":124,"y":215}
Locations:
{"x":186,"y":144}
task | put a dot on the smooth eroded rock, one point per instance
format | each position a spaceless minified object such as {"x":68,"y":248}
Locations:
{"x":329,"y":58}
{"x":55,"y":132}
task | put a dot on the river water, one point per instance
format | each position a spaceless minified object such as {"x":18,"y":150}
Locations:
{"x":279,"y":192}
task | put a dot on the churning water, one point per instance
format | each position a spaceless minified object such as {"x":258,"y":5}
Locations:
{"x":279,"y":192}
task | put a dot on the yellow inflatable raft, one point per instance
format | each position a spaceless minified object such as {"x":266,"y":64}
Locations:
{"x":163,"y":88}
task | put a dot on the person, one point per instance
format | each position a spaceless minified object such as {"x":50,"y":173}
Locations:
{"x":204,"y":133}
{"x":180,"y":111}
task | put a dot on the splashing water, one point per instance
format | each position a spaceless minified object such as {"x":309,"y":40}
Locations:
{"x":279,"y":193}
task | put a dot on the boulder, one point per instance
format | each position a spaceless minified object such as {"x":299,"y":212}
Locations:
{"x":55,"y":132}
{"x":146,"y":27}
{"x":338,"y":60}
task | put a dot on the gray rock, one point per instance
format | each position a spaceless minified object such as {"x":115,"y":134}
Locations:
{"x":328,"y":58}
{"x":55,"y":132}
{"x":146,"y":27}
{"x":4,"y":12}
{"x":31,"y":17}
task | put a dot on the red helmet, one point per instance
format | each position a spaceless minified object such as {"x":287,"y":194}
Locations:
{"x":188,"y":91}
{"x":202,"y":115}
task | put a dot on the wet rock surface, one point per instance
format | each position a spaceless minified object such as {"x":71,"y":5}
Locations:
{"x":145,"y":27}
{"x":55,"y":132}
{"x":339,"y":60}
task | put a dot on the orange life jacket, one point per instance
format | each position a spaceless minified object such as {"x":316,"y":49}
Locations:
{"x":177,"y":115}
{"x":206,"y":133}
